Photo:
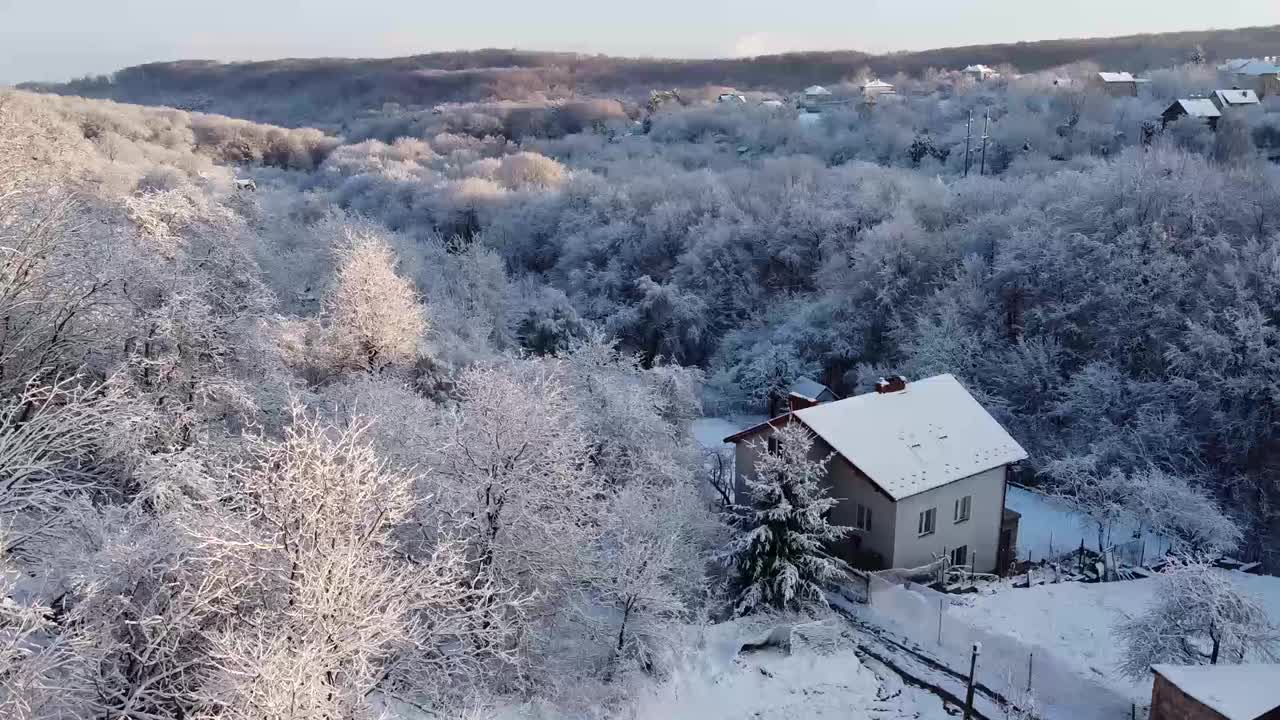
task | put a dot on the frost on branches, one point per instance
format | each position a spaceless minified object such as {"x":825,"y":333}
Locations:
{"x":780,"y":557}
{"x":1200,"y":617}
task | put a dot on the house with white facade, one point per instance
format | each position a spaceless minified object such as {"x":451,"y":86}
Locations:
{"x":919,"y":470}
{"x":876,"y":88}
{"x":979,"y":72}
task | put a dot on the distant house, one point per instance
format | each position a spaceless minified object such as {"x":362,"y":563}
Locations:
{"x":815,"y":97}
{"x":772,"y":103}
{"x":1201,"y":108}
{"x":876,"y":88}
{"x":734,"y":98}
{"x":1234,"y":98}
{"x":979,"y":72}
{"x":1215,"y":692}
{"x":804,"y":392}
{"x":1261,"y":75}
{"x":1118,"y":84}
{"x":918,"y":469}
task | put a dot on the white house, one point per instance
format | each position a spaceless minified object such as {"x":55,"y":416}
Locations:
{"x":979,"y":72}
{"x":876,"y":88}
{"x":918,"y":469}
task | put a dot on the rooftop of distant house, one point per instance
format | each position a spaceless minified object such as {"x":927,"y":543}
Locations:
{"x":1197,"y":107}
{"x":1236,"y":96}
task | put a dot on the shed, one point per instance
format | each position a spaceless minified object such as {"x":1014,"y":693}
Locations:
{"x":1118,"y":84}
{"x":816,"y":91}
{"x":1201,"y":108}
{"x":1216,"y":692}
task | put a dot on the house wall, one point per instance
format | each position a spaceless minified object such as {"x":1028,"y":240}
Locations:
{"x":851,"y":487}
{"x":1168,"y":702}
{"x":980,"y":533}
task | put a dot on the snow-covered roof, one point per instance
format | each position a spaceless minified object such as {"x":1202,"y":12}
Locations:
{"x":978,"y":68}
{"x":1238,"y":692}
{"x":1236,"y":97}
{"x":878,"y":83}
{"x":1234,"y":65}
{"x":1116,"y":77}
{"x":1258,"y":67}
{"x":907,"y":442}
{"x":1197,"y":107}
{"x":816,"y":90}
{"x":809,"y":389}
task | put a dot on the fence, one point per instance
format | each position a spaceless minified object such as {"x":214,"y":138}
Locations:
{"x":1007,"y":666}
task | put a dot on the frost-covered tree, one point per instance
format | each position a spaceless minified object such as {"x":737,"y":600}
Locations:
{"x":780,"y":553}
{"x":648,"y":572}
{"x":1174,"y":508}
{"x":1199,"y":617}
{"x":332,"y":609}
{"x":375,"y":319}
{"x":1099,"y":494}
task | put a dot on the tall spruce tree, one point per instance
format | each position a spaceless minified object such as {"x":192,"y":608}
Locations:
{"x":781,"y":555}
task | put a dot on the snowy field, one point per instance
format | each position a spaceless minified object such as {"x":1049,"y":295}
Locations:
{"x":1074,"y":620}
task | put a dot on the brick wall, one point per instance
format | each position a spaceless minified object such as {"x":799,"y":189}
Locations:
{"x":1170,"y":703}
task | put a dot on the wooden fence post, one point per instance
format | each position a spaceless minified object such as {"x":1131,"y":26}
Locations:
{"x":973,"y":666}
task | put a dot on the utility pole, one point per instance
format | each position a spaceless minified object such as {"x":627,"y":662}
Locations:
{"x":973,"y":666}
{"x":967,"y":128}
{"x":982,"y":170}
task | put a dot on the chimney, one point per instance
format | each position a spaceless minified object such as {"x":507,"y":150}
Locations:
{"x":895,"y":383}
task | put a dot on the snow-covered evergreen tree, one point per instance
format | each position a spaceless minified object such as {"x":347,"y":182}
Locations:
{"x":781,"y":556}
{"x":1199,"y":617}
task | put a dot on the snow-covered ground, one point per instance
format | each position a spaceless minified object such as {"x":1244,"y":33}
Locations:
{"x":775,"y":685}
{"x":1074,"y":620}
{"x":710,"y":432}
{"x":1049,"y":527}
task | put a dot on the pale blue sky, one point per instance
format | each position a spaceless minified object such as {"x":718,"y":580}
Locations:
{"x":59,"y":39}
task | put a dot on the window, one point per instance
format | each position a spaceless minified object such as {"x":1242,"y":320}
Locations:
{"x":927,"y":520}
{"x":862,"y":519}
{"x":960,"y":555}
{"x":962,"y":508}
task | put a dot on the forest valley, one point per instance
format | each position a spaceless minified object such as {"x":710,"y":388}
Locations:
{"x":409,"y":423}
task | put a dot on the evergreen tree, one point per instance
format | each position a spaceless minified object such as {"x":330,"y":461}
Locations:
{"x":780,"y":556}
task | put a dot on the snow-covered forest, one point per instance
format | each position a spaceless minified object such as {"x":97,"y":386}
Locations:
{"x":405,"y":427}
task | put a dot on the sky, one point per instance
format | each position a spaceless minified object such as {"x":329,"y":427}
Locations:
{"x":56,"y":40}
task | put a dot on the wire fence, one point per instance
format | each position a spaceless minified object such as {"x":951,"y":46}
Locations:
{"x":1013,"y":668}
